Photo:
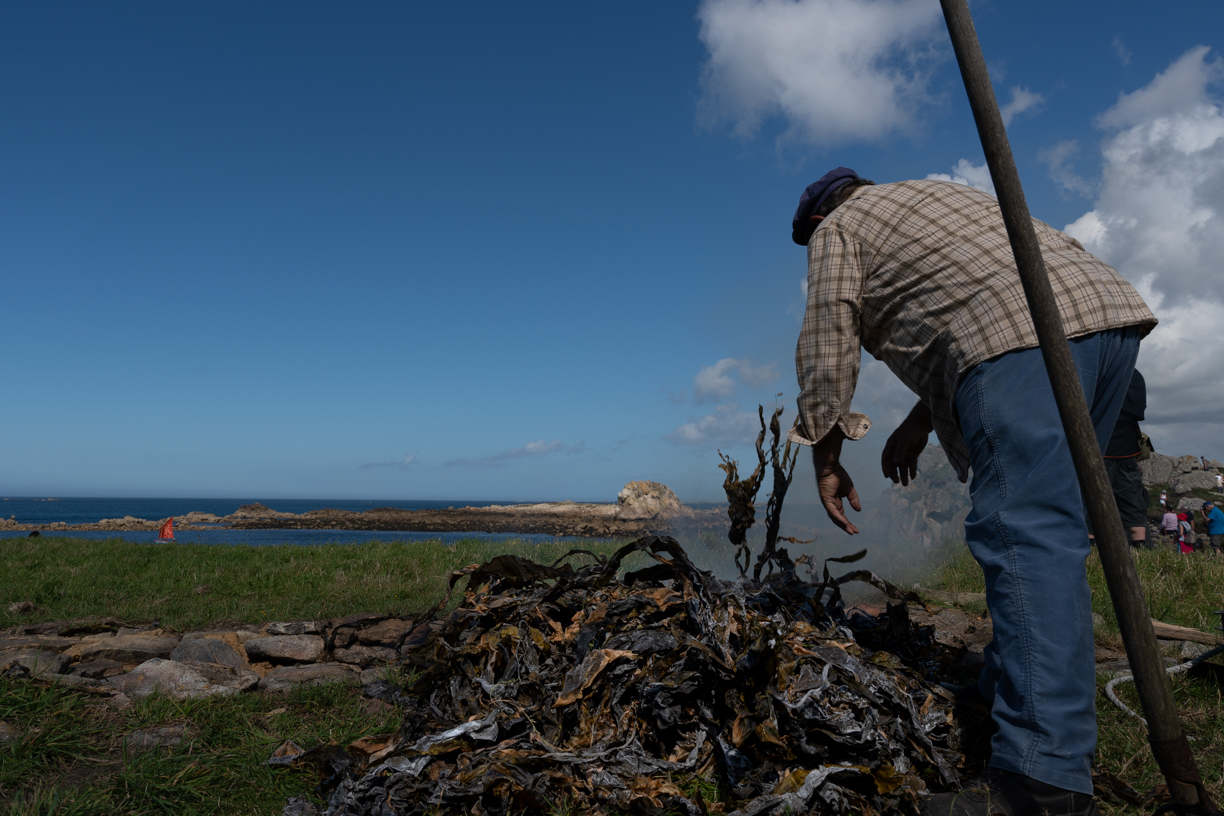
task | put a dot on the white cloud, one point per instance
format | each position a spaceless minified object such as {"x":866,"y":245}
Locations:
{"x":1121,"y":51}
{"x":400,"y":463}
{"x":1023,"y":100}
{"x":1180,"y":87}
{"x":1159,"y":219}
{"x":716,"y":382}
{"x":529,"y":451}
{"x":970,"y":174}
{"x":835,"y":70}
{"x":726,"y":426}
{"x":1057,"y":158}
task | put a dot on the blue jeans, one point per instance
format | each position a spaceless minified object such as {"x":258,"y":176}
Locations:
{"x":1027,"y":531}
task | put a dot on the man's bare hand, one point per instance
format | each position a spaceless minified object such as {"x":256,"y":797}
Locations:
{"x":899,"y":460}
{"x":835,"y":484}
{"x":832,"y":480}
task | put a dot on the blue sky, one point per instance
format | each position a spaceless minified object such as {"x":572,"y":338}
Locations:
{"x":491,"y":251}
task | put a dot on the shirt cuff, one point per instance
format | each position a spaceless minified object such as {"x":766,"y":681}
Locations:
{"x":854,"y":425}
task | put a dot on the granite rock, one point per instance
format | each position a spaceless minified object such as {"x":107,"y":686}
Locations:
{"x":208,"y":650}
{"x":293,"y":628}
{"x":129,"y":649}
{"x":38,"y":662}
{"x":183,"y":681}
{"x":387,"y":633}
{"x":288,"y":677}
{"x":646,"y":500}
{"x":98,"y":669}
{"x":363,"y":655}
{"x":285,"y":649}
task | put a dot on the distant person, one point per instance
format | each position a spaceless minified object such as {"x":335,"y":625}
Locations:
{"x":1219,"y":482}
{"x":1168,"y":522}
{"x":1122,"y":462}
{"x":1186,"y":536}
{"x":1213,"y":520}
{"x":1164,"y":500}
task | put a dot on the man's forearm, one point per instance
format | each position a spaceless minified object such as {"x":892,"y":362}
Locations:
{"x":827,"y":452}
{"x":920,"y":416}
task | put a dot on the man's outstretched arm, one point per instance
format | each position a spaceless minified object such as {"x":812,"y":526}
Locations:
{"x":832,"y":480}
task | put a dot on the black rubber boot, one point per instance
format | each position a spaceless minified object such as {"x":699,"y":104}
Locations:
{"x":1003,"y":793}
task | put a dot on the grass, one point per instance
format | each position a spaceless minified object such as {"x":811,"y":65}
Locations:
{"x":70,"y":759}
{"x":1183,"y":590}
{"x":184,"y":586}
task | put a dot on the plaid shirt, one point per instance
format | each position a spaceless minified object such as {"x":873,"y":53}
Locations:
{"x":921,"y":275}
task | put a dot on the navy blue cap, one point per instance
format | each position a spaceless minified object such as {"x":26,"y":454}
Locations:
{"x":815,"y":195}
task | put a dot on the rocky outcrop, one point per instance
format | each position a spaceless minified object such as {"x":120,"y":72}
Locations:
{"x":1181,"y":473}
{"x":932,"y":508}
{"x":646,"y":500}
{"x":1198,"y":480}
{"x":641,"y":508}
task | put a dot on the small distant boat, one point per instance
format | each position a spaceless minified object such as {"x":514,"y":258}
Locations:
{"x":166,"y":533}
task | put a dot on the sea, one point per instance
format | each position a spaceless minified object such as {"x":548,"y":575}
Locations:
{"x":46,"y":511}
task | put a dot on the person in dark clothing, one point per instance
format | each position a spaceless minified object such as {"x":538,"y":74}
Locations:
{"x":1122,"y":462}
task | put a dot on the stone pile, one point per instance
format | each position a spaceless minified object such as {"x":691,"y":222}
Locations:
{"x":123,"y":662}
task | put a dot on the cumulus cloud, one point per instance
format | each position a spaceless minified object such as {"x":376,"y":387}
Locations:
{"x":970,"y":174}
{"x":531,"y":450}
{"x":1159,"y":219}
{"x":720,"y":381}
{"x":726,"y":426}
{"x":1023,"y":101}
{"x":1174,"y":91}
{"x":834,"y":70}
{"x":1058,"y":159}
{"x":401,"y":464}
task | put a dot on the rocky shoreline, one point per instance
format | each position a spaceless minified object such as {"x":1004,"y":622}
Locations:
{"x":641,"y":508}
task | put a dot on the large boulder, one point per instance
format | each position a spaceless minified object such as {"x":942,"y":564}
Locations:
{"x":646,"y":500}
{"x":1194,"y":480}
{"x":183,"y":681}
{"x":1158,"y":469}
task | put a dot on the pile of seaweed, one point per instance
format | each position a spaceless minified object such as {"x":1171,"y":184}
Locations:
{"x":662,"y":690}
{"x":589,"y":689}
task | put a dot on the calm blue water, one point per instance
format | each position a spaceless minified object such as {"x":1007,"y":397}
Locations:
{"x":298,"y":537}
{"x":91,"y":510}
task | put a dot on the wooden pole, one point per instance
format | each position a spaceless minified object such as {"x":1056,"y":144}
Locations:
{"x":1165,"y":734}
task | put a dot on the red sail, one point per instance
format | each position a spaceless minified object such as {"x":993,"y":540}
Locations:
{"x":167,"y":530}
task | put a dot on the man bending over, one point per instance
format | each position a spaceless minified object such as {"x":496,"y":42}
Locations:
{"x":921,"y":275}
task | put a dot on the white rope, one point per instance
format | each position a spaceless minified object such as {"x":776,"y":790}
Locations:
{"x":1178,"y":669}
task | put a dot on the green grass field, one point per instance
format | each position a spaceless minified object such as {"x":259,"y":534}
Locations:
{"x":184,"y":586}
{"x":1183,"y":590}
{"x":69,"y":756}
